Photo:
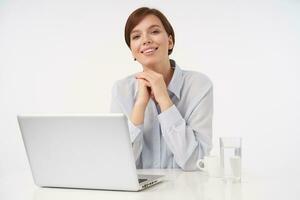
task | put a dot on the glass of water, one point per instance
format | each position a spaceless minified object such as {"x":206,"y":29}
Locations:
{"x":231,"y":158}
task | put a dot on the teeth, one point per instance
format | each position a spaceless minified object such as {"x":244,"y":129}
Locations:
{"x":150,"y":50}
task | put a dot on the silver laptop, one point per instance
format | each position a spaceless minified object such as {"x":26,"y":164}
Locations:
{"x":82,"y":151}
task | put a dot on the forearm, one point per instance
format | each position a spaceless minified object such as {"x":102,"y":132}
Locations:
{"x":186,"y":143}
{"x":136,"y":137}
{"x":165,"y":104}
{"x":138,"y":113}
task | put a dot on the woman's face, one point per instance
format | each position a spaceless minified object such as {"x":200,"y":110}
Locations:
{"x":149,"y":41}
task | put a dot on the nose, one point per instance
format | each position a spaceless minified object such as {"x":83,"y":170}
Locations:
{"x":146,"y":40}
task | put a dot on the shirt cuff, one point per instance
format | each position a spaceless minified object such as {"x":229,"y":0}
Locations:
{"x":169,"y":118}
{"x":134,"y":130}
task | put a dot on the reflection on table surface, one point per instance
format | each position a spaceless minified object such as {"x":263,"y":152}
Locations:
{"x":177,"y":185}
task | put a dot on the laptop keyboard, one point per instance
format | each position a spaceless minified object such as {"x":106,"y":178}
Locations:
{"x":142,"y":180}
{"x":144,"y":177}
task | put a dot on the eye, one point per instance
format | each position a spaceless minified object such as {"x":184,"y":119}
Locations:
{"x":135,"y":37}
{"x":155,"y":31}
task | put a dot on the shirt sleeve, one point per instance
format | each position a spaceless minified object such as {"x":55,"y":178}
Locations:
{"x":191,"y":139}
{"x":135,"y":132}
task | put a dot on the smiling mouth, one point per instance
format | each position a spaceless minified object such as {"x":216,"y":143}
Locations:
{"x":149,"y":51}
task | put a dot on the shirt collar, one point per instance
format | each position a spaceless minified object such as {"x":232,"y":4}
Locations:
{"x":175,"y":84}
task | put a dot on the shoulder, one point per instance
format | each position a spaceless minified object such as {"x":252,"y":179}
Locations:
{"x":197,"y":80}
{"x":195,"y":88}
{"x":125,"y":85}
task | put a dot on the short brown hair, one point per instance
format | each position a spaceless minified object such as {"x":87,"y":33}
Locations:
{"x":139,"y":14}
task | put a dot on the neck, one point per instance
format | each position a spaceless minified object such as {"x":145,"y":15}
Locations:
{"x":163,"y":68}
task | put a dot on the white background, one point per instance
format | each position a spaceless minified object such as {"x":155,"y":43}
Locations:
{"x":63,"y":57}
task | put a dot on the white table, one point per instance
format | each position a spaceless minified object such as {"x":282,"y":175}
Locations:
{"x":177,"y":185}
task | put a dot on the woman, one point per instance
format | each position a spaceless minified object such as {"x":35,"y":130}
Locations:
{"x":169,"y":110}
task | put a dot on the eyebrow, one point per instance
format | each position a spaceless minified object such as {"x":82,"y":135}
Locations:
{"x":152,"y":26}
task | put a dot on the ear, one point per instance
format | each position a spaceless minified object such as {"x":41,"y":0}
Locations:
{"x":171,"y":43}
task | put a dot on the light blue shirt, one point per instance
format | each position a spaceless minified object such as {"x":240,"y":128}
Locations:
{"x":177,"y":137}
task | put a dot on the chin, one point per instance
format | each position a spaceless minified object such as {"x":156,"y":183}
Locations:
{"x":149,"y":62}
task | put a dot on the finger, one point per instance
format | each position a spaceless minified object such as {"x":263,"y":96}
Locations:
{"x":144,"y":81}
{"x":142,"y":74}
{"x":152,"y":73}
{"x":146,"y":76}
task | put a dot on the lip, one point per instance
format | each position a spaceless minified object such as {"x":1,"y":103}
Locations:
{"x":149,"y":50}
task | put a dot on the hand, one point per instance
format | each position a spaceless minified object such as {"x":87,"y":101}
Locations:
{"x":158,"y":87}
{"x":143,"y":94}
